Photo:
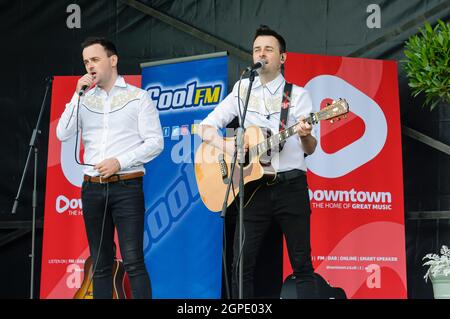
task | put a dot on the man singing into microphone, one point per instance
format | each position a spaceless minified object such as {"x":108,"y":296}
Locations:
{"x":285,"y":199}
{"x":121,"y":132}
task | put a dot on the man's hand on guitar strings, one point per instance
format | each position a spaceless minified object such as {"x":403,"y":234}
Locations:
{"x":304,"y":128}
{"x":240,"y":156}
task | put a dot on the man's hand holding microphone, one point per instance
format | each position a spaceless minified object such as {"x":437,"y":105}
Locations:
{"x":85,"y":82}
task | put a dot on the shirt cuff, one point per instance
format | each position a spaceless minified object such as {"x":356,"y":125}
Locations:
{"x":124,"y":160}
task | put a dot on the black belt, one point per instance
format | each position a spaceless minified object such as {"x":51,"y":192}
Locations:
{"x":286,"y":176}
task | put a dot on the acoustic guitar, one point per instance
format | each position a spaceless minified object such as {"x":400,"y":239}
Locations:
{"x":213,"y":166}
{"x":118,"y":275}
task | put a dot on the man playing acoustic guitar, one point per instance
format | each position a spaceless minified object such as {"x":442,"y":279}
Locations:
{"x":284,"y":199}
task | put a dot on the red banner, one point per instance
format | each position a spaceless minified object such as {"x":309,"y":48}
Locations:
{"x":65,"y":247}
{"x":355,"y":176}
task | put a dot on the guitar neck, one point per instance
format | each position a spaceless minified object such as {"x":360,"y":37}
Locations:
{"x":277,"y":139}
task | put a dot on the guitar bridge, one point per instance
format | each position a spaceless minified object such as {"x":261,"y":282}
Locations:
{"x":223,"y":169}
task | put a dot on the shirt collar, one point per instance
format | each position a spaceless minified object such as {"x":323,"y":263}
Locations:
{"x":272,"y":86}
{"x":120,"y":82}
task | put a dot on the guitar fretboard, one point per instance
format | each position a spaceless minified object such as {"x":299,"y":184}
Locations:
{"x":277,"y":139}
{"x":332,"y":111}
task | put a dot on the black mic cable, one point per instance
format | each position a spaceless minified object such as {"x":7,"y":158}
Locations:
{"x":107,"y":189}
{"x":100,"y":243}
{"x":76,"y":141}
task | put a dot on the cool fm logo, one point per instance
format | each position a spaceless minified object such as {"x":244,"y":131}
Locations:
{"x":360,"y":144}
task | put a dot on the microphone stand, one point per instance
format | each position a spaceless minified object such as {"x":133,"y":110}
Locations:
{"x":240,"y":149}
{"x":33,"y":146}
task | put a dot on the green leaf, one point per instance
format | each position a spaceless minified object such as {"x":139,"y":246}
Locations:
{"x":409,"y":54}
{"x":428,"y":28}
{"x":434,"y":104}
{"x":440,"y":39}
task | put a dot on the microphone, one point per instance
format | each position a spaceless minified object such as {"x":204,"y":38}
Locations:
{"x":259,"y":64}
{"x":83,"y":89}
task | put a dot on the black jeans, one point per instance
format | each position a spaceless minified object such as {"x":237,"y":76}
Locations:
{"x":286,"y":202}
{"x":125,"y":211}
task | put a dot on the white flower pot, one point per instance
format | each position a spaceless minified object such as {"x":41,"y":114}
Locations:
{"x":441,"y":286}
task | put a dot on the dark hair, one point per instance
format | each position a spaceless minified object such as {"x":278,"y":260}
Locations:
{"x":109,"y":47}
{"x":265,"y":30}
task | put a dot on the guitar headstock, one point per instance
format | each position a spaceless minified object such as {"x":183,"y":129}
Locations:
{"x":334,"y":111}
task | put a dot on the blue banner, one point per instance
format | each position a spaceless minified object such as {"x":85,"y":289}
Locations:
{"x":182,"y":239}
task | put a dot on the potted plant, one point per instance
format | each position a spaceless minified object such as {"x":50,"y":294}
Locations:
{"x":427,"y":63}
{"x":439,"y":272}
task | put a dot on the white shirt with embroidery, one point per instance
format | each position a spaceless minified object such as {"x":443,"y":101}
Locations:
{"x":264,"y":110}
{"x":123,"y":124}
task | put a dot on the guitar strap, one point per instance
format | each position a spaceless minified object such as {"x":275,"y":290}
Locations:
{"x":285,"y":104}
